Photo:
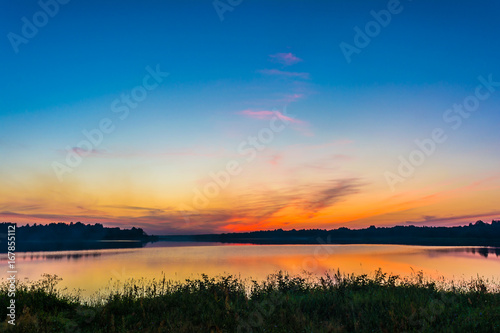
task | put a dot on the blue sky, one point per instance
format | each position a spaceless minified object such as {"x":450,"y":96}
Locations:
{"x":263,"y":56}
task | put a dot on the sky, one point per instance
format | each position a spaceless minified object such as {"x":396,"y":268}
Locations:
{"x":194,"y":117}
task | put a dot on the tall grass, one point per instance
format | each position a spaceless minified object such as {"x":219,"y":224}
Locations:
{"x":333,"y":302}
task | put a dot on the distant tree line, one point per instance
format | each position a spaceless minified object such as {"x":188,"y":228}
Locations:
{"x":73,"y":236}
{"x":75,"y":231}
{"x":479,"y":233}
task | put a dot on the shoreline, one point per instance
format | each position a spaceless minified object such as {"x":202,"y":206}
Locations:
{"x":282,"y":303}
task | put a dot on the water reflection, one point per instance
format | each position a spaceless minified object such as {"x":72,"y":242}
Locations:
{"x":92,"y":270}
{"x":44,"y":246}
{"x":60,"y":255}
{"x":69,"y":256}
{"x":482,"y":251}
{"x":86,"y":254}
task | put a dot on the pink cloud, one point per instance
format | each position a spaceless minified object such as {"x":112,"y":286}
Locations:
{"x":299,"y":125}
{"x":290,"y":98}
{"x":276,"y":159}
{"x":278,"y":99}
{"x":284,"y":73}
{"x":265,"y":114}
{"x":339,"y":142}
{"x":286,"y":59}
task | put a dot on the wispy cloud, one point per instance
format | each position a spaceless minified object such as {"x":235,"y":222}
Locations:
{"x":265,"y":208}
{"x":254,"y":210}
{"x":286,"y":59}
{"x":149,"y":210}
{"x":453,"y":220}
{"x":276,"y":159}
{"x":328,"y":194}
{"x":278,"y":72}
{"x":266,"y":115}
{"x":290,"y":98}
{"x":20,"y":206}
{"x":298,"y":125}
{"x":188,"y":152}
{"x":83,"y":152}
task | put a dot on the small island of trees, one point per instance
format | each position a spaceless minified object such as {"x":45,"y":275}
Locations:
{"x":74,"y":236}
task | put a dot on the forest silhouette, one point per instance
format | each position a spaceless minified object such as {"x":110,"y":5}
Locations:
{"x":80,"y":236}
{"x":479,"y":233}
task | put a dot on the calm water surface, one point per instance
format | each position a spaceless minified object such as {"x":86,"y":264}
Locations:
{"x":94,"y":269}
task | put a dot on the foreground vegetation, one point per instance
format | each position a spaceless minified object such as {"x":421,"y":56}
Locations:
{"x":282,"y":303}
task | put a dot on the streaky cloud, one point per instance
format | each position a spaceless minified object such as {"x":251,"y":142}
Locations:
{"x":278,"y":72}
{"x":286,"y":59}
{"x":266,"y":115}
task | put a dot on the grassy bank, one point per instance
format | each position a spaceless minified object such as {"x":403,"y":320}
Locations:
{"x":282,"y":303}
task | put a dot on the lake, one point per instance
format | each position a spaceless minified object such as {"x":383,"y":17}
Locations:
{"x":91,"y":270}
